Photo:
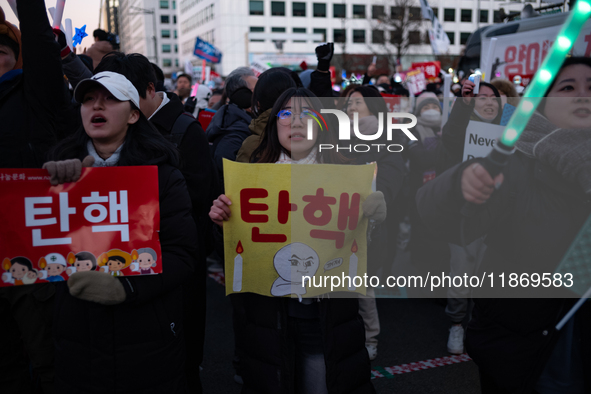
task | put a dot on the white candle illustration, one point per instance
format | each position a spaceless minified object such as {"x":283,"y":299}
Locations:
{"x":353,"y":266}
{"x":237,"y":284}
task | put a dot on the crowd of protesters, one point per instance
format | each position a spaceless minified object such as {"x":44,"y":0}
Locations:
{"x":61,"y":111}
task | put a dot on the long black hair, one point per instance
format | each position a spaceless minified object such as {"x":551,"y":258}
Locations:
{"x":143,"y":145}
{"x":270,"y":148}
{"x":271,"y":84}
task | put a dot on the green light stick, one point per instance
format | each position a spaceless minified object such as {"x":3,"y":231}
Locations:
{"x":546,"y":73}
{"x":543,"y":78}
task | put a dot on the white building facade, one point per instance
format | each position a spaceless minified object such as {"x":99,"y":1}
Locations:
{"x":150,"y":27}
{"x":351,"y":24}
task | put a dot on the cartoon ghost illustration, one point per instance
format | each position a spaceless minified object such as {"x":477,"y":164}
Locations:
{"x":80,"y":262}
{"x":19,"y":271}
{"x":292,"y":262}
{"x":52,"y":267}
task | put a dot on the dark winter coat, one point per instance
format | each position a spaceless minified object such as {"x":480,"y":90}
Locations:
{"x":196,"y":165}
{"x":267,"y":350}
{"x":226,"y":133}
{"x":31,"y":103}
{"x":136,"y":346}
{"x":529,"y":223}
{"x":203,"y":186}
{"x":389,"y":180}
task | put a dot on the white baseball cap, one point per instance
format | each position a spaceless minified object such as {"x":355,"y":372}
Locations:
{"x":117,"y":84}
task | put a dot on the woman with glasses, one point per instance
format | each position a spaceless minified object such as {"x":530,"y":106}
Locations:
{"x":312,"y":345}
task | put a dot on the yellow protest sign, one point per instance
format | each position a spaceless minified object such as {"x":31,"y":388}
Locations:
{"x":292,"y":227}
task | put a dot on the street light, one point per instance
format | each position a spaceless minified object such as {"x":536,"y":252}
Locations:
{"x":140,"y":11}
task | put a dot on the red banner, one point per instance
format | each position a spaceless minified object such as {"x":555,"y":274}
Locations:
{"x":430,"y":69}
{"x":392,"y":102}
{"x":205,"y":117}
{"x":107,"y":221}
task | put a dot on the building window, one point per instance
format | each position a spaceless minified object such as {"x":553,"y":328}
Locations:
{"x":163,"y":4}
{"x":339,"y":35}
{"x":299,"y":30}
{"x":358,"y":12}
{"x":174,"y":19}
{"x":377,"y":11}
{"x":278,"y":8}
{"x":166,"y":34}
{"x":377,"y":37}
{"x":359,"y":36}
{"x":397,"y":13}
{"x":176,"y":48}
{"x":464,"y":38}
{"x":257,"y":29}
{"x":176,"y":62}
{"x":449,"y":14}
{"x":339,"y":10}
{"x":466,"y":15}
{"x":320,"y":10}
{"x":166,"y":62}
{"x":166,"y":48}
{"x":451,"y":36}
{"x":320,"y":31}
{"x":278,"y":29}
{"x":436,"y":12}
{"x":414,"y":37}
{"x":164,"y":19}
{"x":175,"y":35}
{"x":497,"y":17}
{"x":257,"y":7}
{"x":396,"y":37}
{"x":483,"y":16}
{"x":415,"y":14}
{"x":298,"y":9}
{"x":173,"y":4}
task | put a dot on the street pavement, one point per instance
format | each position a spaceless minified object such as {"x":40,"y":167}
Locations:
{"x":412,"y":330}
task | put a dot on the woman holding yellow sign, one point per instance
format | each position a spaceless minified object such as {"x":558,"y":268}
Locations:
{"x":304,"y":343}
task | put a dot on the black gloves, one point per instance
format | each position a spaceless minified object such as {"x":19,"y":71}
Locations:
{"x":324,"y":54}
{"x":60,"y":37}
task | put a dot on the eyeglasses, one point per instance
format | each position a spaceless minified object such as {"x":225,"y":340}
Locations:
{"x":285,"y":116}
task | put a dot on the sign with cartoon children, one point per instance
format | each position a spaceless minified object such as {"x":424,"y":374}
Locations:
{"x":108,"y":221}
{"x":294,"y":227}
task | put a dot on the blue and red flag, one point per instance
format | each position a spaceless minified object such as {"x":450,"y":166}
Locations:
{"x":205,"y":50}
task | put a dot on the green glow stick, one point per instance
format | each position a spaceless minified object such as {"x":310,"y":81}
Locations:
{"x":546,"y":73}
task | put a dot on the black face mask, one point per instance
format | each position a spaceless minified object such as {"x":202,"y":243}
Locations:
{"x":242,"y":97}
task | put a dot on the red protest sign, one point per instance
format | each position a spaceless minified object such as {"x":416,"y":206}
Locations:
{"x":204,"y":118}
{"x":392,"y":102}
{"x":107,"y":221}
{"x":430,"y":69}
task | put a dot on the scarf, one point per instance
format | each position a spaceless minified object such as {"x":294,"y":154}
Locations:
{"x":368,"y":125}
{"x":567,"y":151}
{"x":285,"y":159}
{"x":99,"y":161}
{"x":426,"y":129}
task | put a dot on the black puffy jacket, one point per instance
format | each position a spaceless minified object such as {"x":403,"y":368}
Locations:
{"x":226,"y":133}
{"x":32,"y":103}
{"x":267,"y":350}
{"x":136,"y":346}
{"x":530,"y":222}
